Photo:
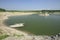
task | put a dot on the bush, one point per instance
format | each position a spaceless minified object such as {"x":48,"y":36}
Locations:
{"x":3,"y":36}
{"x":3,"y":10}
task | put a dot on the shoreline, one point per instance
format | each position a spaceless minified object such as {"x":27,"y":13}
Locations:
{"x":11,"y":31}
{"x":5,"y":16}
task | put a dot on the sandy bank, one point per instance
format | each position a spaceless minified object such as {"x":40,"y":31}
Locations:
{"x":8,"y":30}
{"x":16,"y":13}
{"x":11,"y":31}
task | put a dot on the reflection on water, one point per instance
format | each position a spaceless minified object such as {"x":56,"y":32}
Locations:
{"x":46,"y":14}
{"x":39,"y":25}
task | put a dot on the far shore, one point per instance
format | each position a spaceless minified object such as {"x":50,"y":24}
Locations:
{"x":17,"y":13}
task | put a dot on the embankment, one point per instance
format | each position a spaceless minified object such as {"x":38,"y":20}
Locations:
{"x":8,"y":30}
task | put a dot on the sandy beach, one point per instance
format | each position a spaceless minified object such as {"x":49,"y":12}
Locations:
{"x":8,"y":30}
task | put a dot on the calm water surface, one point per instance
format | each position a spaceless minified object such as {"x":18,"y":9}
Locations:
{"x":39,"y":25}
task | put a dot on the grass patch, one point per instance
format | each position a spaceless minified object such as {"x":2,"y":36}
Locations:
{"x":17,"y":35}
{"x":3,"y":36}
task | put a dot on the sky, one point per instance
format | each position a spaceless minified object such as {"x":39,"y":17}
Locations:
{"x":30,"y":4}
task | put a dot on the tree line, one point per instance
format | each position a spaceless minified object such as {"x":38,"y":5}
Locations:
{"x":4,"y":10}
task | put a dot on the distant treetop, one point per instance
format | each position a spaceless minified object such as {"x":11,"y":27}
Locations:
{"x":1,"y":9}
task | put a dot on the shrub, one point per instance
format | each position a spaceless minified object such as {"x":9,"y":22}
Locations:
{"x":3,"y":36}
{"x":2,"y":10}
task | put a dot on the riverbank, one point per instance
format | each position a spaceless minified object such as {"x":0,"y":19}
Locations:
{"x":13,"y":32}
{"x":8,"y":30}
{"x":17,"y":13}
{"x":5,"y":15}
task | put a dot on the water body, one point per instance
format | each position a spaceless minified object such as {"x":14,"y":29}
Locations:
{"x":39,"y":25}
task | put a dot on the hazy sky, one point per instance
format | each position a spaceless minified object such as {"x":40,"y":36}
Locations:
{"x":30,"y":4}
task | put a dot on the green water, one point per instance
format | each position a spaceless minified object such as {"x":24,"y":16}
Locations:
{"x":39,"y":25}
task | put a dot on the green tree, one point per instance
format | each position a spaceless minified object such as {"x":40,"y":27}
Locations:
{"x":1,"y":9}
